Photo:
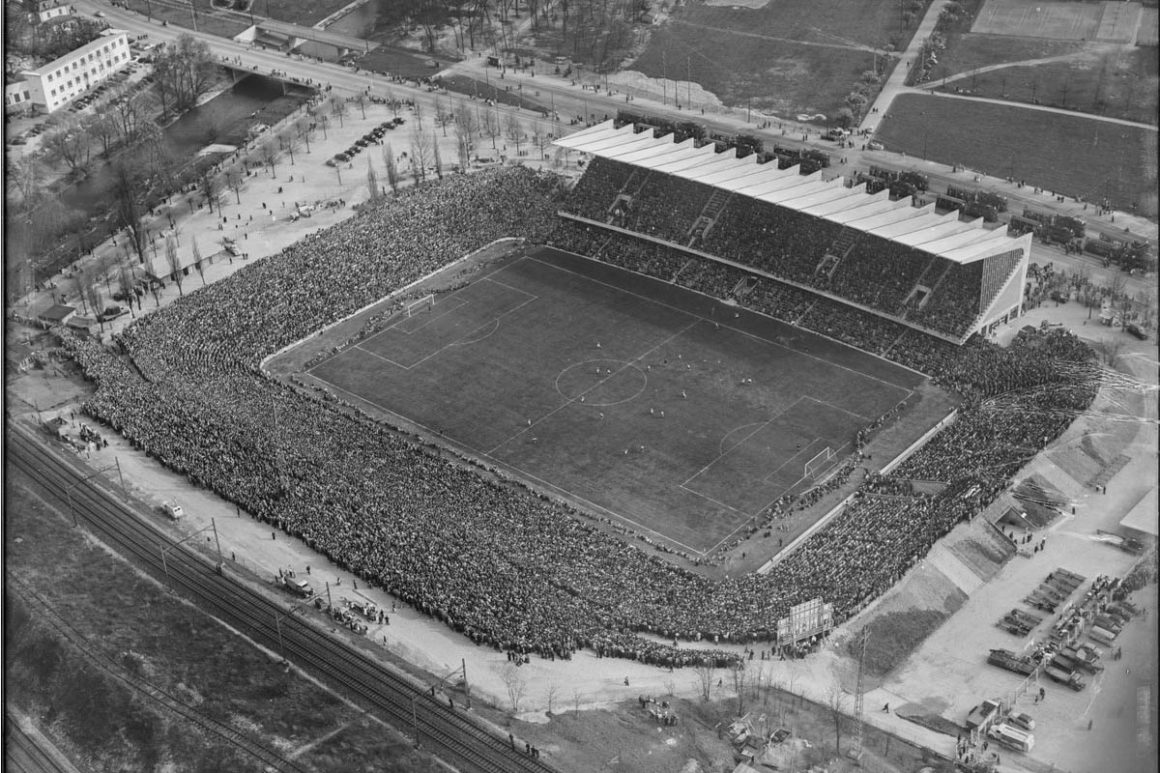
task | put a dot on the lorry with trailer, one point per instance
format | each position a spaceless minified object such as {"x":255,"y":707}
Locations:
{"x":1065,"y":677}
{"x":1012,"y":662}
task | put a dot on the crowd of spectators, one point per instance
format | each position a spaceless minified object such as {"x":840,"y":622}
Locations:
{"x":506,"y":566}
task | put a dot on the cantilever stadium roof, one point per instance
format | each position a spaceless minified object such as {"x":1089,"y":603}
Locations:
{"x":899,"y":221}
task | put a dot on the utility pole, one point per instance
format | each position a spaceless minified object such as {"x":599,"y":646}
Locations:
{"x":466,"y":686}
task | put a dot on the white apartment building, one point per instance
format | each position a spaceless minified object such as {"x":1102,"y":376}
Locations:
{"x":59,"y":82}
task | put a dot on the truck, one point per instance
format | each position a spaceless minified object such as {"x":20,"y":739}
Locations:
{"x":1064,"y":677}
{"x":1012,"y":662}
{"x":1126,"y":544}
{"x":1086,"y":657}
{"x":300,"y":588}
{"x":1101,"y":635}
{"x":983,"y":715}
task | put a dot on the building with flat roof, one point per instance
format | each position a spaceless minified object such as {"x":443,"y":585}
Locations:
{"x":62,"y":80}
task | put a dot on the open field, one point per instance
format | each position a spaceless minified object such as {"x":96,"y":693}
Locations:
{"x":622,"y":392}
{"x":1117,"y":82}
{"x":1102,"y":159}
{"x":973,"y":50}
{"x":178,"y":14}
{"x":777,"y":56}
{"x":774,"y":76}
{"x":218,"y":22}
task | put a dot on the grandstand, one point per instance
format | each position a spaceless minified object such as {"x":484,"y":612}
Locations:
{"x":934,"y":273}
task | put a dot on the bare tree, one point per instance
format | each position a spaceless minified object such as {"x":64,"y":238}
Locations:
{"x":360,"y":99}
{"x":130,"y":114}
{"x":515,"y":130}
{"x":739,"y":675}
{"x":104,"y":128}
{"x":491,"y":126}
{"x":128,"y":209}
{"x":93,"y":291}
{"x":392,"y":171}
{"x":837,"y":706}
{"x":577,"y":698}
{"x":552,"y":691}
{"x":84,"y":282}
{"x":184,"y":71}
{"x":373,"y":182}
{"x":235,"y":177}
{"x":704,"y":672}
{"x":516,"y":685}
{"x":288,"y":140}
{"x":304,"y":126}
{"x":338,"y":108}
{"x":127,"y":287}
{"x":268,"y":155}
{"x":211,"y":186}
{"x":438,"y":160}
{"x":197,"y":260}
{"x":70,"y":143}
{"x":174,"y":263}
{"x":420,"y":153}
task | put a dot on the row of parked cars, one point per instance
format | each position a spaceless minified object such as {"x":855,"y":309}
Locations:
{"x":370,"y":138}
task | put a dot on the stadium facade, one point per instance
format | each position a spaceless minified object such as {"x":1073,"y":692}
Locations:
{"x":936,"y":273}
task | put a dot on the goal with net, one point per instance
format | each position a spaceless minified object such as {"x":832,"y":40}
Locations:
{"x":821,"y":461}
{"x":422,"y":304}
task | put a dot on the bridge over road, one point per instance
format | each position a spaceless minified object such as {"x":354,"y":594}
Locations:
{"x":298,"y":34}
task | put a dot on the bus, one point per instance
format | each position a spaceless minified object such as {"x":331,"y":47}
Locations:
{"x":1012,"y":737}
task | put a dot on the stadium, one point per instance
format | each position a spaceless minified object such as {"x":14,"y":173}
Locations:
{"x":296,"y":389}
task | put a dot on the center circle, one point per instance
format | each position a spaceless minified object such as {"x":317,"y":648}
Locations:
{"x":601,"y":382}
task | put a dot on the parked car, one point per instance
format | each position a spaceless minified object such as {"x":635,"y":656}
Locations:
{"x":875,"y":145}
{"x":173,"y":511}
{"x":1134,"y":329}
{"x":1022,"y":721}
{"x":111,"y":313}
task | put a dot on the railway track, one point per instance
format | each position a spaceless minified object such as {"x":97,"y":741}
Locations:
{"x":23,"y":755}
{"x":454,"y":736}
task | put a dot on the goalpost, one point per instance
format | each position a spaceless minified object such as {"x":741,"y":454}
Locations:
{"x":819,"y":463}
{"x":423,"y":304}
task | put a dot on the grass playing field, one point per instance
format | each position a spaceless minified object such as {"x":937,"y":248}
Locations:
{"x":1102,"y":159}
{"x":650,"y":403}
{"x":790,"y":56}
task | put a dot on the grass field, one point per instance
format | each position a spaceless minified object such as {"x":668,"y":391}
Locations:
{"x":1102,"y":159}
{"x":624,"y":393}
{"x":1103,"y":80}
{"x":790,"y":56}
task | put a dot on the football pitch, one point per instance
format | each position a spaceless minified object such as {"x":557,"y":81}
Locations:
{"x":665,"y":409}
